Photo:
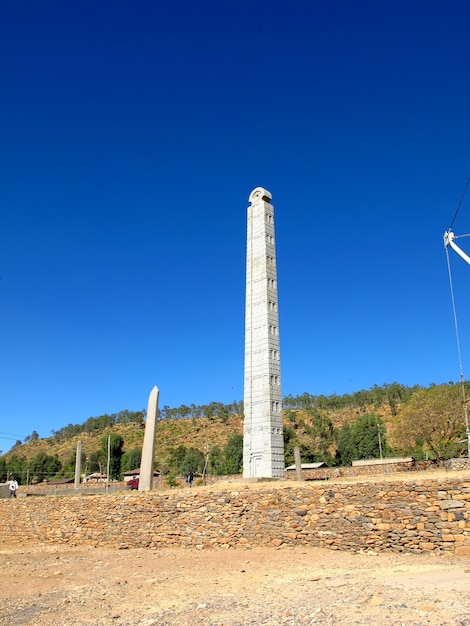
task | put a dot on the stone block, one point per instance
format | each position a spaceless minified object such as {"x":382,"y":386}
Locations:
{"x":451,"y":504}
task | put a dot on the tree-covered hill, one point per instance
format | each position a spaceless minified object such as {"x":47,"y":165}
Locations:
{"x":382,"y":421}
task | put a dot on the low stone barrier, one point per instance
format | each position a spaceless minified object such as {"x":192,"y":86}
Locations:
{"x":4,"y":490}
{"x":159,"y":483}
{"x":403,"y":516}
{"x":457,"y":464}
{"x":383,"y":468}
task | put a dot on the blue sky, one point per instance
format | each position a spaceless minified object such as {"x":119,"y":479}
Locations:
{"x":132,"y":135}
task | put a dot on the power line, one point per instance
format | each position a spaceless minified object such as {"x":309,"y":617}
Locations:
{"x":460,"y":204}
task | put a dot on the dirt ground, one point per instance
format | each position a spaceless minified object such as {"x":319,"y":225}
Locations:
{"x":291,"y":586}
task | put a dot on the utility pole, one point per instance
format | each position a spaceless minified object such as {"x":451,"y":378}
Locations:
{"x":449,"y":243}
{"x":78,"y":464}
{"x":109,"y":463}
{"x":380,"y":440}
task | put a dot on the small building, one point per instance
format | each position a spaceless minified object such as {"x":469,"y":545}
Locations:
{"x":135,"y":474}
{"x":60,"y":481}
{"x":310,"y":471}
{"x":307,"y":466}
{"x":96,"y":477}
{"x":408,"y":460}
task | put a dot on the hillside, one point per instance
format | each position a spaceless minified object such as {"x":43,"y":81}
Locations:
{"x":202,"y":433}
{"x":190,"y":432}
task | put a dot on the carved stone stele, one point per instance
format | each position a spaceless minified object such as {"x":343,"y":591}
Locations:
{"x":263,"y":441}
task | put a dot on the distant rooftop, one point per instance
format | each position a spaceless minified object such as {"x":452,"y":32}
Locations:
{"x":307,"y":466}
{"x":386,"y":461}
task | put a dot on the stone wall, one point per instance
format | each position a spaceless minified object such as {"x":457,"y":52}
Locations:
{"x":383,"y":468}
{"x":159,"y":483}
{"x":457,"y":464}
{"x":5,"y":490}
{"x":325,"y":473}
{"x":407,"y":515}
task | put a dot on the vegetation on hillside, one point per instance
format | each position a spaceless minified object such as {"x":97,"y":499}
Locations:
{"x":391,"y":420}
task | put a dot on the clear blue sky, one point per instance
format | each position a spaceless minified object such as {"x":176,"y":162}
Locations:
{"x":131,"y":136}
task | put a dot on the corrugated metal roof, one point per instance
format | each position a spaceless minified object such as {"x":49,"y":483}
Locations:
{"x":308,"y":466}
{"x":385,"y":461}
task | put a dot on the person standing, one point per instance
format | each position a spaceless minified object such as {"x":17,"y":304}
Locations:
{"x":190,"y":479}
{"x":13,"y":487}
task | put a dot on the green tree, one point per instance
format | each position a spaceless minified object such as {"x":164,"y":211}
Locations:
{"x":174,"y":459}
{"x":361,"y":439}
{"x":290,"y":441}
{"x":345,"y":445}
{"x":233,"y":453}
{"x":224,"y":415}
{"x":42,"y":466}
{"x":68,"y":468}
{"x":128,"y":417}
{"x":34,"y":436}
{"x":67,"y":432}
{"x":17,"y":467}
{"x":3,"y":470}
{"x":99,"y":423}
{"x":115,"y":453}
{"x":291,"y":416}
{"x":307,"y":454}
{"x":322,"y":436}
{"x":216,"y":461}
{"x":193,"y":461}
{"x":366,"y":440}
{"x":435,"y":418}
{"x":96,"y":462}
{"x":131,"y":460}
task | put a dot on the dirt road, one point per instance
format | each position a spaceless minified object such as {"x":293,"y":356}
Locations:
{"x":290,"y":586}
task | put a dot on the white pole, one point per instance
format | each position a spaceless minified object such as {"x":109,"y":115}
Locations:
{"x":78,"y":465}
{"x":380,"y":441}
{"x":109,"y":462}
{"x":449,"y":241}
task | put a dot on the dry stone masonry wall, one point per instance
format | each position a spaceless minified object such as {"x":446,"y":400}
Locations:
{"x":408,"y":516}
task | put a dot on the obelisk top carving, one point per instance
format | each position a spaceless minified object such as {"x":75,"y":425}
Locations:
{"x":259,"y":194}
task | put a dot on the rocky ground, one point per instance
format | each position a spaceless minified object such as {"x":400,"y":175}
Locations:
{"x":80,"y":586}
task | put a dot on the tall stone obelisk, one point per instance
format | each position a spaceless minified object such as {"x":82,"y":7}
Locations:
{"x":263,"y":441}
{"x":148,"y":448}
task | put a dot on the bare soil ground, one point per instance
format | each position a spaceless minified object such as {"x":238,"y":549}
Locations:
{"x":78,"y":586}
{"x":292,"y":586}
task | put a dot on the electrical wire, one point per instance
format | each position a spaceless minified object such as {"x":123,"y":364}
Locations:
{"x":12,"y":435}
{"x":460,"y":204}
